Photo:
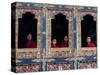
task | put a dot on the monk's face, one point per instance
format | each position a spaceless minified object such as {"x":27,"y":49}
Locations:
{"x":88,"y":39}
{"x":29,"y":37}
{"x":65,"y":38}
{"x":54,"y":41}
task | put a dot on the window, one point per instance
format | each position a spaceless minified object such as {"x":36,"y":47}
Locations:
{"x":88,"y":31}
{"x":27,"y":31}
{"x":59,"y":31}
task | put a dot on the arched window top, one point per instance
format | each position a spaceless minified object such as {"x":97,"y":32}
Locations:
{"x":60,"y":16}
{"x":88,"y":17}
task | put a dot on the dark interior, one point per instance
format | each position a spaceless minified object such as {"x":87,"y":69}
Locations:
{"x":88,"y":28}
{"x":59,"y":28}
{"x":27,"y":24}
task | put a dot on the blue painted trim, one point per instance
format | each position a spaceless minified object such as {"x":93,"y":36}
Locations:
{"x":44,"y":32}
{"x":74,"y":32}
{"x":74,"y":23}
{"x":89,"y":57}
{"x":58,"y":60}
{"x":26,"y":61}
{"x":75,"y":40}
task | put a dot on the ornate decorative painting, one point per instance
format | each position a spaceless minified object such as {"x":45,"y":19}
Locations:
{"x":48,"y":37}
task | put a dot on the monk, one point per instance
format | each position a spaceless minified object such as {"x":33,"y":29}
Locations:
{"x":65,"y":42}
{"x":30,"y":43}
{"x":89,"y":42}
{"x":54,"y":43}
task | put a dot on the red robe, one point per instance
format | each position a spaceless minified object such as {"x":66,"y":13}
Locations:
{"x":54,"y":46}
{"x":30,"y":44}
{"x":91,"y":45}
{"x":64,"y":44}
